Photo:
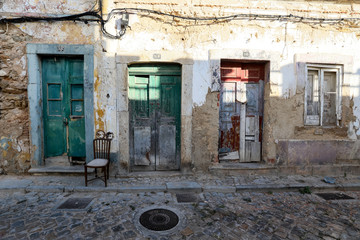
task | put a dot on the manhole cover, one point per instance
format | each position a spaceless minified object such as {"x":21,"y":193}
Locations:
{"x":186,"y":198}
{"x":334,"y":196}
{"x":75,"y":203}
{"x":159,"y":219}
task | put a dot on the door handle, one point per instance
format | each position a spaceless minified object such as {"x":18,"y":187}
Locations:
{"x":65,"y":120}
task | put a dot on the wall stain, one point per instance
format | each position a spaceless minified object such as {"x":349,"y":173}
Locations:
{"x":99,"y":111}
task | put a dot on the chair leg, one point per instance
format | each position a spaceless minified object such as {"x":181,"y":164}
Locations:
{"x":105,"y":176}
{"x":108,"y":167}
{"x":85,"y":175}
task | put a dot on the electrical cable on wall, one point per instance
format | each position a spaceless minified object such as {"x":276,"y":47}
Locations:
{"x":96,"y":15}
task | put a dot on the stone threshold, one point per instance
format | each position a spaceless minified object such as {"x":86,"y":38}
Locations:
{"x":155,"y":174}
{"x":79,"y":169}
{"x":231,"y":168}
{"x":244,"y":166}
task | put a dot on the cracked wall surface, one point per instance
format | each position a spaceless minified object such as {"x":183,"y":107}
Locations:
{"x":277,"y":42}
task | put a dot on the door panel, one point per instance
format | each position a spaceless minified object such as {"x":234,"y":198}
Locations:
{"x":53,"y":106}
{"x":252,"y":97}
{"x":154,"y":106}
{"x":141,"y":133}
{"x":76,"y":138}
{"x":168,"y":123}
{"x":167,"y":147}
{"x":63,"y":107}
{"x":142,"y":148}
{"x":54,"y":140}
{"x":229,"y":117}
{"x":252,"y":151}
{"x":76,"y":117}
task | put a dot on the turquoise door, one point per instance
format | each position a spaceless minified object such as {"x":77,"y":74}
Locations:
{"x":63,"y":106}
{"x":155,"y":107}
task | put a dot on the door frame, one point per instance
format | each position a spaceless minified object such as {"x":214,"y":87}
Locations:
{"x":240,"y":104}
{"x":123,"y":60}
{"x":34,"y":54}
{"x":272,"y":71}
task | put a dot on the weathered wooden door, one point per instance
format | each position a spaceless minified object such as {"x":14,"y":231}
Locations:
{"x":241,"y":109}
{"x":63,"y":106}
{"x":154,"y":107}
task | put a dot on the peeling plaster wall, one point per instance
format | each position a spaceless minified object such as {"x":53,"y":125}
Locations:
{"x":284,"y":96}
{"x":284,"y":93}
{"x":16,"y":150}
{"x":14,"y":117}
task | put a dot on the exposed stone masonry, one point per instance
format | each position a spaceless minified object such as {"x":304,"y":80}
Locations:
{"x":14,"y":112}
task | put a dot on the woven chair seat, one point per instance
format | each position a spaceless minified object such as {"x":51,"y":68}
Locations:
{"x":98,"y":162}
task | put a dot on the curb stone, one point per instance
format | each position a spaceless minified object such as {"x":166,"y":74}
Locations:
{"x":223,"y":189}
{"x":45,"y":189}
{"x":184,"y":187}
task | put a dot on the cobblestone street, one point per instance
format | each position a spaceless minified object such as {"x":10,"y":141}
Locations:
{"x":246,"y":215}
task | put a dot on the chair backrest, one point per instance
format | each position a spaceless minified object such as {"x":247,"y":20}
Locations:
{"x":102,"y":148}
{"x":102,"y":144}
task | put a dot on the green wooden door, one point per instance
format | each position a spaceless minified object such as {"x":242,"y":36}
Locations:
{"x":155,"y":107}
{"x":63,"y":106}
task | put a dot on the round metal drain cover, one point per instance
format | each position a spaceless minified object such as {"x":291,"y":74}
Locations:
{"x":159,"y":219}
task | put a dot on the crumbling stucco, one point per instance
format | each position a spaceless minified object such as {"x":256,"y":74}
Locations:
{"x":247,"y":39}
{"x":14,"y":117}
{"x":205,"y":142}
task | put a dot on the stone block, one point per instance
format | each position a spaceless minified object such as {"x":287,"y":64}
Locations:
{"x":307,"y":152}
{"x":222,"y":189}
{"x":122,"y":101}
{"x":123,"y":133}
{"x":14,"y":183}
{"x":186,"y":127}
{"x":99,"y":188}
{"x":282,"y":152}
{"x":183,"y":187}
{"x":323,"y":170}
{"x":186,"y":98}
{"x":3,"y":73}
{"x":347,"y":150}
{"x":141,"y":188}
{"x":45,"y":189}
{"x":121,"y":77}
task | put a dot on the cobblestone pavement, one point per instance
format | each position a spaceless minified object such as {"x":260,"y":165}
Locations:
{"x":246,"y":215}
{"x":202,"y":179}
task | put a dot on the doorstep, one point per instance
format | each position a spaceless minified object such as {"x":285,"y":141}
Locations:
{"x":236,"y":168}
{"x":78,"y":169}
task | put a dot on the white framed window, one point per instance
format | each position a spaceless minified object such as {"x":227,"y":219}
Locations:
{"x":323,"y":95}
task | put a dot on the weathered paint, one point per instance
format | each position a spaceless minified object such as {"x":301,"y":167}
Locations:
{"x":33,"y":55}
{"x":99,"y":111}
{"x":63,"y":106}
{"x":4,"y":143}
{"x":241,"y":109}
{"x":202,"y":46}
{"x":155,"y":124}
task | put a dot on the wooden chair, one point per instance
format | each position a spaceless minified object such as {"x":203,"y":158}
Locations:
{"x":101,"y":144}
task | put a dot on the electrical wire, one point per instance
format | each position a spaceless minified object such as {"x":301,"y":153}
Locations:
{"x":248,"y":16}
{"x":96,"y":15}
{"x":259,"y":17}
{"x":74,"y":17}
